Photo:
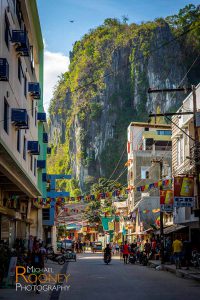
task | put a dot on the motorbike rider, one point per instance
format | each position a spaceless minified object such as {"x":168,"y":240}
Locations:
{"x":107,"y":251}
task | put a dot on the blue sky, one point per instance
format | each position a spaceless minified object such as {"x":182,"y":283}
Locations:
{"x":59,"y":34}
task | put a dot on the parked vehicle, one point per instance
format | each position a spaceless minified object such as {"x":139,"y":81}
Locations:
{"x":132,"y":258}
{"x":107,"y":258}
{"x":67,"y":245}
{"x":195,"y":259}
{"x":97,"y":246}
{"x":60,"y":259}
{"x":143,"y":259}
{"x":69,"y":255}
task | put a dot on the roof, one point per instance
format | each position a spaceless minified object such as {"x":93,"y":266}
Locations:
{"x":145,"y":124}
{"x":172,"y":228}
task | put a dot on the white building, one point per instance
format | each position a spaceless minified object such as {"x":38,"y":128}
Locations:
{"x":21,"y":64}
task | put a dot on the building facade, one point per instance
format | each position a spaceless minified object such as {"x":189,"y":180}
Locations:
{"x":183,"y":161}
{"x":23,"y":138}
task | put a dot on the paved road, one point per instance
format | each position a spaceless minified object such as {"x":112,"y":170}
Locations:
{"x":91,"y":279}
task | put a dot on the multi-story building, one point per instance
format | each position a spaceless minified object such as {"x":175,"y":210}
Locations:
{"x":149,"y":159}
{"x":147,"y":145}
{"x":183,"y":160}
{"x":23,"y":138}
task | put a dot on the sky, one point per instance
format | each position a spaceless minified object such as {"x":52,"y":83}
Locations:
{"x":60,"y":34}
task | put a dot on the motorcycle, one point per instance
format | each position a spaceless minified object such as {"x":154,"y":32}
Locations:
{"x":143,"y":259}
{"x":107,"y":258}
{"x":60,"y":259}
{"x":132,"y":258}
{"x":195,"y":259}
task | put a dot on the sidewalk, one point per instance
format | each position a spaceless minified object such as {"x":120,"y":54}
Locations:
{"x":192,"y":273}
{"x":11,"y":293}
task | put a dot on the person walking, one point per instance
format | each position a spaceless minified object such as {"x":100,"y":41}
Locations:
{"x":125,"y":252}
{"x":177,"y":248}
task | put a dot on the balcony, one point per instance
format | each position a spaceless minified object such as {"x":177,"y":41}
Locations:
{"x":20,"y":39}
{"x":4,"y":69}
{"x":33,"y":147}
{"x":19,"y":118}
{"x":41,"y":117}
{"x":48,"y":150}
{"x":41,"y":164}
{"x":45,"y":137}
{"x":34,"y":90}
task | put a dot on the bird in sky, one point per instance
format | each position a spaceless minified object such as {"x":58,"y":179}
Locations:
{"x":71,"y":21}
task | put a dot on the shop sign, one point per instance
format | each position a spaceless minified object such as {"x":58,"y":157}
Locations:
{"x":184,"y":191}
{"x":166,"y":200}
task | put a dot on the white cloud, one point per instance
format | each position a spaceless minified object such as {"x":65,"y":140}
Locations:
{"x":55,"y":63}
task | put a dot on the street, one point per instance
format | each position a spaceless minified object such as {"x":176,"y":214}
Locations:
{"x":92,"y":279}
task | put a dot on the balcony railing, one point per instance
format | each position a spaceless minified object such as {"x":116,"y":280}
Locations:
{"x":20,"y":38}
{"x":34,"y":89}
{"x":19,"y":118}
{"x":4,"y":69}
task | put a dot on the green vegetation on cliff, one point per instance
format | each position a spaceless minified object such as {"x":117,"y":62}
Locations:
{"x":102,"y":82}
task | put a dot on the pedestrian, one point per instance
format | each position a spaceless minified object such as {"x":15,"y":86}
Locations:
{"x":113,"y":249}
{"x":37,"y":263}
{"x":117,"y":248}
{"x":125,"y":252}
{"x":147,"y":248}
{"x":187,"y":251}
{"x":177,"y":248}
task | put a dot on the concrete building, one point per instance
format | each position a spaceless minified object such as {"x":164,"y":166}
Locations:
{"x":183,"y":161}
{"x":147,"y":142}
{"x":22,"y":136}
{"x":148,"y":145}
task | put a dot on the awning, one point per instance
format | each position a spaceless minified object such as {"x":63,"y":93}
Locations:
{"x":172,"y":228}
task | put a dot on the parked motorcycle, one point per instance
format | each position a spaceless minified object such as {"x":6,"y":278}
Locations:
{"x":107,"y":258}
{"x":143,"y":259}
{"x":195,"y":259}
{"x":132,"y":258}
{"x":60,"y":259}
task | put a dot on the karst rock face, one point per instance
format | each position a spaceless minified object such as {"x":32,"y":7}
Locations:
{"x":92,"y":118}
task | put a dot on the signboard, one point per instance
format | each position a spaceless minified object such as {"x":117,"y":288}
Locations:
{"x":166,"y":200}
{"x":111,"y":226}
{"x":184,"y":191}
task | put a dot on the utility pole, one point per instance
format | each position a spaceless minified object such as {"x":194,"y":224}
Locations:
{"x":160,"y":162}
{"x":196,"y":134}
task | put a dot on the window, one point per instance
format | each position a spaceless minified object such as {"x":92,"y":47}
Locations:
{"x":180,"y":151}
{"x":46,"y":214}
{"x":31,"y":163}
{"x":20,"y":71}
{"x":25,"y":86}
{"x":24,"y":149}
{"x":35,"y":117}
{"x":35,"y":162}
{"x":6,"y":116}
{"x":7,"y":31}
{"x":19,"y":140}
{"x":32,"y":107}
{"x":145,"y":172}
{"x":18,"y":13}
{"x":164,"y":132}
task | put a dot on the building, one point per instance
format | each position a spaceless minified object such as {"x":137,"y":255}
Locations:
{"x":149,"y":159}
{"x":183,"y":161}
{"x":23,"y":140}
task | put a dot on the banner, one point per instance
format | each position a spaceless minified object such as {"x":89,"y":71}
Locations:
{"x":184,"y":191}
{"x":166,"y":200}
